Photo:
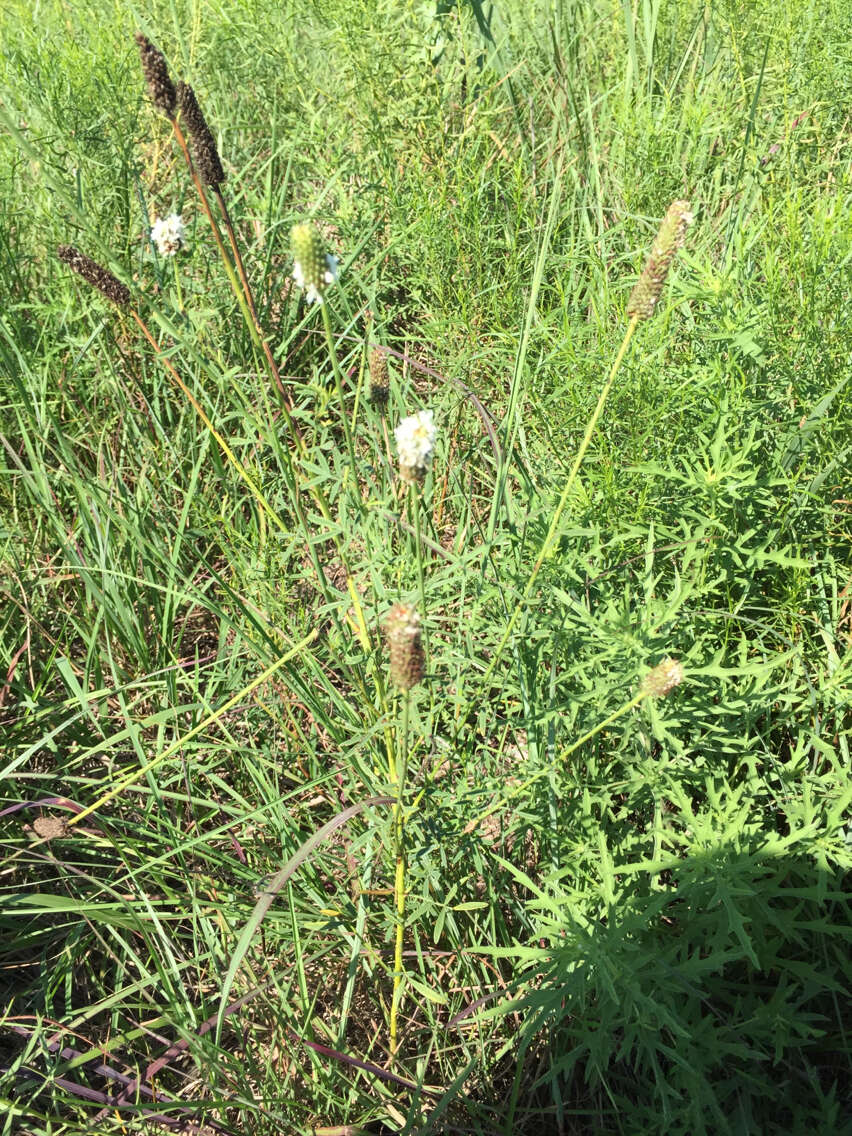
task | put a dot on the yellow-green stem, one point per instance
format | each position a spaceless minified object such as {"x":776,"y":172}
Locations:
{"x":421,"y":572}
{"x":399,"y":876}
{"x":177,"y":285}
{"x":516,"y":789}
{"x":338,"y":381}
{"x":548,"y":541}
{"x":205,"y":204}
{"x":240,"y":468}
{"x":255,"y":322}
{"x":244,"y":299}
{"x":220,"y":441}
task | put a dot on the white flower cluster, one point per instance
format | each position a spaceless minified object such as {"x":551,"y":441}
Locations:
{"x":312,"y":293}
{"x":168,"y":234}
{"x":415,"y":442}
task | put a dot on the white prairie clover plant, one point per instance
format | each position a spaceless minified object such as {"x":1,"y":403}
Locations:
{"x":313,"y":268}
{"x":169,"y":234}
{"x":415,"y":443}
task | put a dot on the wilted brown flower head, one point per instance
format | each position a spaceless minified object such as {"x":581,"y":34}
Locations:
{"x":669,"y":239}
{"x":664,"y":677}
{"x":160,"y":86}
{"x":50,"y":827}
{"x":95,"y":274}
{"x":201,"y":141}
{"x":407,"y":660}
{"x":379,"y":381}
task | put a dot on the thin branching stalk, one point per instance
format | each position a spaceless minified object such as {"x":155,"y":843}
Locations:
{"x":549,"y":540}
{"x":242,"y":472}
{"x":268,"y":510}
{"x":338,"y":381}
{"x":177,"y":285}
{"x":241,"y":291}
{"x":575,"y":745}
{"x":238,"y":261}
{"x":136,"y":774}
{"x":240,"y":469}
{"x":657,"y":683}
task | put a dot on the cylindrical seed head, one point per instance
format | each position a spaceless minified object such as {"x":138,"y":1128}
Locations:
{"x":665,"y":676}
{"x":95,"y":274}
{"x":160,"y":86}
{"x":415,"y":443}
{"x":407,"y":659}
{"x":313,"y":268}
{"x":669,"y":239}
{"x":201,"y":141}
{"x":379,"y":381}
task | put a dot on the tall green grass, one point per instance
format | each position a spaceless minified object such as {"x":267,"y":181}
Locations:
{"x":648,"y":931}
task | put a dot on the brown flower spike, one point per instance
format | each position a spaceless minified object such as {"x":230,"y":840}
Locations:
{"x":407,"y":659}
{"x":160,"y":86}
{"x":669,"y":239}
{"x":95,"y":274}
{"x":201,"y":141}
{"x":379,"y":382}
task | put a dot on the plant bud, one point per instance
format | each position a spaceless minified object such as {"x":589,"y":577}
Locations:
{"x":379,"y":381}
{"x":313,"y":268}
{"x":205,"y":156}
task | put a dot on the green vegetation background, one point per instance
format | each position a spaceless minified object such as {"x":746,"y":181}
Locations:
{"x":654,"y":936}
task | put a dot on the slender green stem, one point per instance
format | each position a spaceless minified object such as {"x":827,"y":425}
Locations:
{"x":259,"y":337}
{"x":220,"y":441}
{"x":549,"y":540}
{"x":338,"y":381}
{"x":244,"y":298}
{"x":241,"y":470}
{"x":177,"y":285}
{"x":421,"y":571}
{"x":516,"y":789}
{"x":400,"y":773}
{"x":136,"y":774}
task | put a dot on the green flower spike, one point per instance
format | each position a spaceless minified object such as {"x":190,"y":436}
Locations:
{"x":313,"y":268}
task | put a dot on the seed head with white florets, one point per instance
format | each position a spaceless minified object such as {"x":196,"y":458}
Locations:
{"x":313,"y":268}
{"x":168,"y":234}
{"x":415,"y":443}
